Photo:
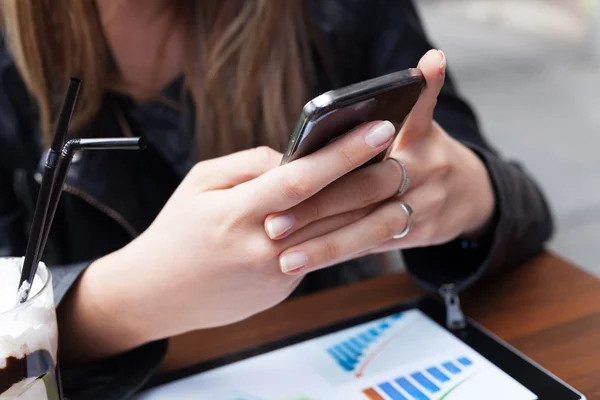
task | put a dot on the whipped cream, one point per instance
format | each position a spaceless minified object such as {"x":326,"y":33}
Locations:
{"x":24,"y":328}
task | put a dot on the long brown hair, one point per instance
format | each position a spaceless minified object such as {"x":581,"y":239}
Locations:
{"x":246,"y":64}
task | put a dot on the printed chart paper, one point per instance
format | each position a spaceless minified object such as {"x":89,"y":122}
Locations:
{"x":406,"y":356}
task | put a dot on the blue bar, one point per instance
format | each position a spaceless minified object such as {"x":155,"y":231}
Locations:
{"x":348,"y":347}
{"x":351,"y":359}
{"x":396,"y":316}
{"x":453,"y":369}
{"x":374,"y":332}
{"x":384,"y":326}
{"x":355,"y":346}
{"x":366,"y":337}
{"x":426,"y":383}
{"x":411,"y":389}
{"x":437,"y":374}
{"x":362,"y":340}
{"x":344,"y":356}
{"x":357,"y":343}
{"x":465,"y":361}
{"x":391,"y":391}
{"x":343,"y":363}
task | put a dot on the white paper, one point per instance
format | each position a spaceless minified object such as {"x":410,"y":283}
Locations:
{"x":405,"y":356}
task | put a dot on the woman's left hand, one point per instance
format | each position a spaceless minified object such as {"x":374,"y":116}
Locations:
{"x":449,"y":192}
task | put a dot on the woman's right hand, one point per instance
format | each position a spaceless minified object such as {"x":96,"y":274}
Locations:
{"x":206,"y":260}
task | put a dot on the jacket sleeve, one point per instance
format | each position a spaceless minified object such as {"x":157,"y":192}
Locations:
{"x":522,"y":221}
{"x":114,"y":378}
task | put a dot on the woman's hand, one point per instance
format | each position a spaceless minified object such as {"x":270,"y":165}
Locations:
{"x":449,"y":192}
{"x":206,"y":260}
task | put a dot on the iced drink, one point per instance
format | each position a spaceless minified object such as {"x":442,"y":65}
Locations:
{"x":28,"y":336}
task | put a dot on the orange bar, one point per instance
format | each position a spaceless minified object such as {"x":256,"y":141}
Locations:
{"x":372,"y":394}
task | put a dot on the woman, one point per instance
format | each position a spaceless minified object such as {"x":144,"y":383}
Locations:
{"x":203,"y":82}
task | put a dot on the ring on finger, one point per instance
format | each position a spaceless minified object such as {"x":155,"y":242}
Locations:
{"x":405,"y":180}
{"x":410,"y":222}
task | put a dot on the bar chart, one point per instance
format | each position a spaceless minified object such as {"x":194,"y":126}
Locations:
{"x":404,"y":356}
{"x":436,"y":380}
{"x":351,"y":352}
{"x":369,"y":350}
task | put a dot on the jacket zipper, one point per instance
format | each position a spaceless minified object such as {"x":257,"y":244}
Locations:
{"x":455,"y":319}
{"x":108,"y":211}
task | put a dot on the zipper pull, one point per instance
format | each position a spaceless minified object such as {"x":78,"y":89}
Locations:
{"x":455,"y":318}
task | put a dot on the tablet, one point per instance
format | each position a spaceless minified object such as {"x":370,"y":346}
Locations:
{"x":403,"y":353}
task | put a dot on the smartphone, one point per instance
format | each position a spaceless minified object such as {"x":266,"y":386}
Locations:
{"x":329,"y":116}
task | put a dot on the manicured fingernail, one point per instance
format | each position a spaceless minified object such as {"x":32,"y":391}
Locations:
{"x":442,"y":62}
{"x":292,"y":262}
{"x":280,"y":225}
{"x":380,"y":134}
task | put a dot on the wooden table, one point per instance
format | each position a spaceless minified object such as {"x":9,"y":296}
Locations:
{"x":548,"y":309}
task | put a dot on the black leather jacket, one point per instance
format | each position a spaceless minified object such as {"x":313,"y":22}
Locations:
{"x":110,"y":197}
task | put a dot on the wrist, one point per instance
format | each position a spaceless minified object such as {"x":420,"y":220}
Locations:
{"x":99,"y":317}
{"x":485,"y":203}
{"x":481,"y":228}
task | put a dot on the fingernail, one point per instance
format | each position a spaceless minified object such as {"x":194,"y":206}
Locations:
{"x":293,"y":261}
{"x":280,"y":225}
{"x":380,"y":134}
{"x":442,"y":61}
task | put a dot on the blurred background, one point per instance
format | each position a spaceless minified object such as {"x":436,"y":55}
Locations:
{"x":531,"y":69}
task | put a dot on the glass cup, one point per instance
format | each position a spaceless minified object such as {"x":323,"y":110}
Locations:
{"x":29,"y":340}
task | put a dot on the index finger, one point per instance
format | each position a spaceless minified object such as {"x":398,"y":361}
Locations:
{"x":233,"y":169}
{"x":285,"y":186}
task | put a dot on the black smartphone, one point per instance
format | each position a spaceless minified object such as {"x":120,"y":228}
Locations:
{"x":325,"y":118}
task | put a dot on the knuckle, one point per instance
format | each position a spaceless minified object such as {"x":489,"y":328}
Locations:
{"x":331,"y":250}
{"x":368,"y":186}
{"x":349,"y":157}
{"x":197,"y":170}
{"x":315,"y":210}
{"x":298,"y":188}
{"x":267,"y":154}
{"x":231,"y":224}
{"x":389,"y":227}
{"x":262,"y":251}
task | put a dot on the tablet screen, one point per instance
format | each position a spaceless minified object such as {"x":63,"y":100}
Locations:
{"x":404,"y":356}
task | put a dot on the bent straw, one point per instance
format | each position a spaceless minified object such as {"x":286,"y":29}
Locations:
{"x":41,"y":207}
{"x":64,"y":163}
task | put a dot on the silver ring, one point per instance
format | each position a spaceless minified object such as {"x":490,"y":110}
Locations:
{"x":405,"y":180}
{"x":410,"y":222}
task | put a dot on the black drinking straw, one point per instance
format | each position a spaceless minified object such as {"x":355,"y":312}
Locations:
{"x":41,"y":207}
{"x":64,"y":163}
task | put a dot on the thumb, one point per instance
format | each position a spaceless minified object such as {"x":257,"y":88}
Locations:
{"x":433,"y":67}
{"x":234,"y":169}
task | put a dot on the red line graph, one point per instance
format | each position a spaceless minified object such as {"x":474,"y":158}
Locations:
{"x":378,"y":350}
